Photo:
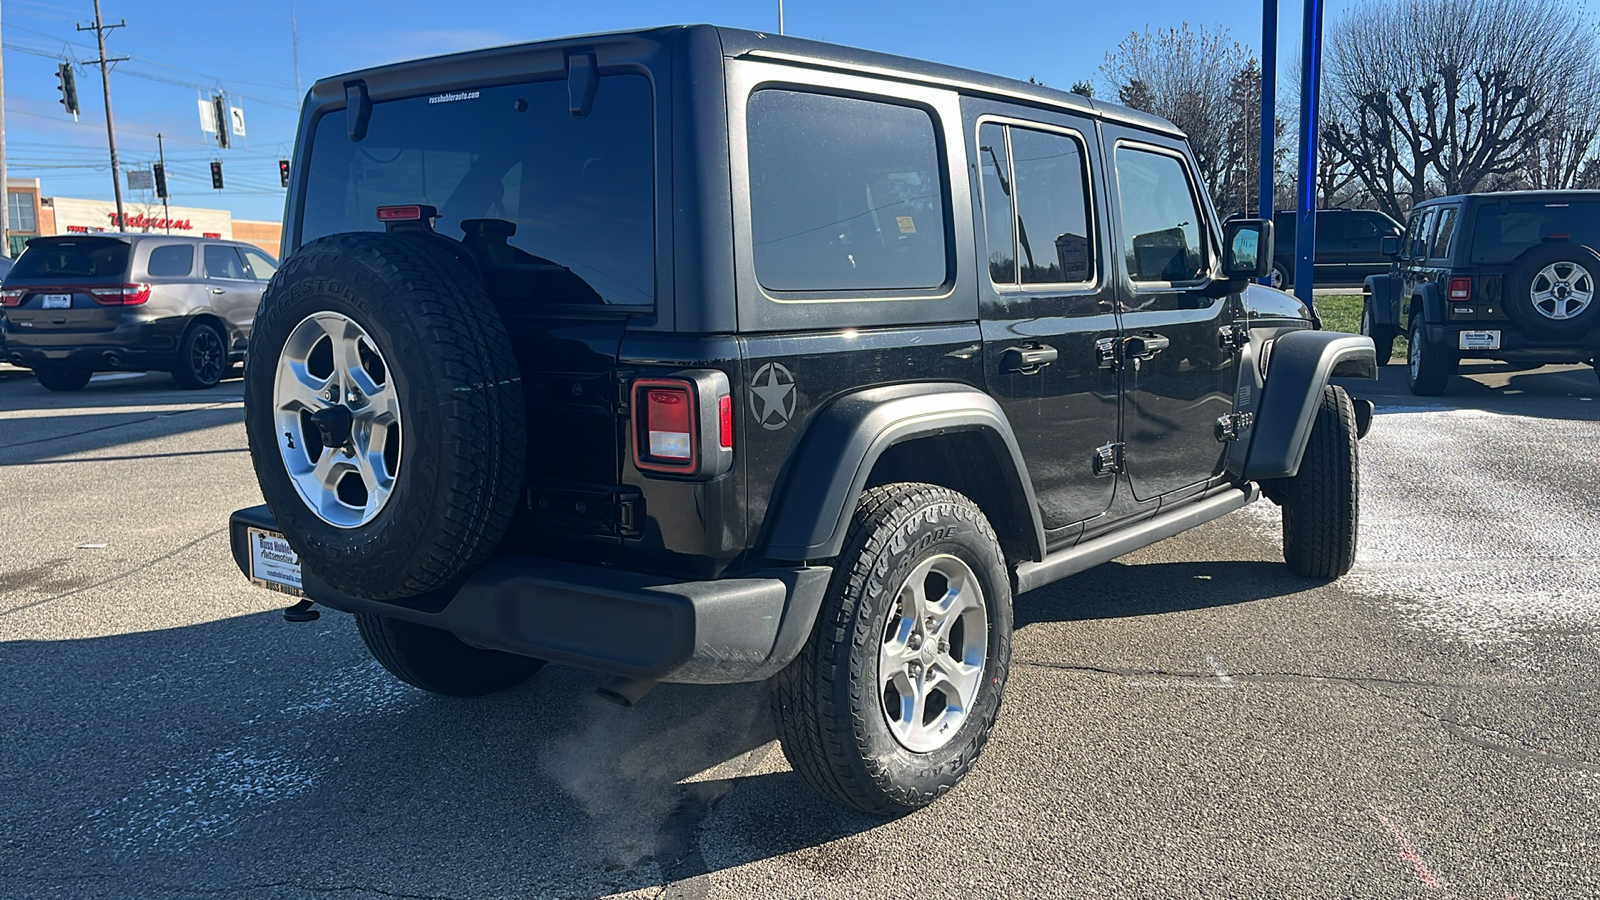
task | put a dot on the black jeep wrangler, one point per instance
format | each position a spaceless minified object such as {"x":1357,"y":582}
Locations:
{"x":1507,"y":276}
{"x":701,"y":355}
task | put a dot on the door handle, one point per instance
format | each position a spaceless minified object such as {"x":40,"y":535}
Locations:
{"x":1144,"y":346}
{"x":1027,"y":360}
{"x":217,"y":291}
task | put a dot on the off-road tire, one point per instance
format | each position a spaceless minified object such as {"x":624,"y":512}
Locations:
{"x":438,"y":661}
{"x":195,"y":370}
{"x":1518,"y":302}
{"x":1280,"y":278}
{"x":61,"y":379}
{"x":1322,"y":502}
{"x":1428,"y":368}
{"x":826,"y":702}
{"x":1382,"y":335}
{"x":463,"y":437}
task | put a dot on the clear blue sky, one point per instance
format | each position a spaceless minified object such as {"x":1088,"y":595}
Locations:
{"x":244,"y":47}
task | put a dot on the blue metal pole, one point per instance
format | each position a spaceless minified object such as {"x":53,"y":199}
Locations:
{"x":1269,"y":119}
{"x":1306,"y":208}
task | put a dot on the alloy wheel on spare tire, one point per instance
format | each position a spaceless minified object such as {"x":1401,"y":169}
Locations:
{"x":1552,"y":290}
{"x":384,"y":410}
{"x":202,"y":358}
{"x":894,"y":695}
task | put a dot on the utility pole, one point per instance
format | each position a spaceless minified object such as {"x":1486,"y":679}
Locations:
{"x":166,"y":207}
{"x":100,"y":28}
{"x":294,"y":34}
{"x":5,"y":214}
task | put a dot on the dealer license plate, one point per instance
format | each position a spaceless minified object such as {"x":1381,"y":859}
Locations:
{"x":273,"y":565}
{"x":1480,"y":340}
{"x":57,"y":301}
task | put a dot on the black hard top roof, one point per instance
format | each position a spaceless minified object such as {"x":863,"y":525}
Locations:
{"x":755,"y":44}
{"x":1526,"y":196}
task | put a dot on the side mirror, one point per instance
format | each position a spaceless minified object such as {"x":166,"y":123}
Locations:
{"x":1391,"y":245}
{"x":1247,"y":249}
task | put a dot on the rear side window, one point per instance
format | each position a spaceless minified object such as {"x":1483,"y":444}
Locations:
{"x":224,"y":262}
{"x":1052,"y":207}
{"x":261,"y":265}
{"x":73,"y":258}
{"x":554,"y":209}
{"x":1442,"y":235}
{"x":845,"y":194}
{"x":1161,"y":237}
{"x":999,"y":218}
{"x":171,"y":261}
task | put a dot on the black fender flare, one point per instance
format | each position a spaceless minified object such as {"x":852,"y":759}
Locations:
{"x":1381,"y":301}
{"x":817,"y":493}
{"x":1298,"y":368}
{"x":1431,"y":305}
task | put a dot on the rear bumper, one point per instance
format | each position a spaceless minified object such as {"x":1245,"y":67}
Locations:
{"x":137,"y":344}
{"x":724,"y":631}
{"x":1515,"y":345}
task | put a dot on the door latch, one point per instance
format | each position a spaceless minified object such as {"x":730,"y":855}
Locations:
{"x":1107,"y":349}
{"x":1107,"y":459}
{"x":1230,"y":426}
{"x":1233,"y":337}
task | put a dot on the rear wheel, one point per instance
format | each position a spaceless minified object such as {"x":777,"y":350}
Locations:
{"x":202,"y":358}
{"x":1428,"y":368}
{"x":438,"y":661}
{"x":55,"y":379}
{"x":894,"y":695}
{"x":1280,"y":277}
{"x":1382,"y":335}
{"x":1321,"y":502}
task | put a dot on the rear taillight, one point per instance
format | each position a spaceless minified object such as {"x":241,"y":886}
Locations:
{"x":683,"y":425}
{"x":12,"y":297}
{"x":126,"y":295}
{"x":1459,"y":290}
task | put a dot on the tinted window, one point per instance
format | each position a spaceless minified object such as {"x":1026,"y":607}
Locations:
{"x":994,"y":165}
{"x":554,"y":209}
{"x":1417,"y":237}
{"x":223,"y":262}
{"x":261,"y":265}
{"x":1505,"y":230}
{"x":845,"y":194}
{"x":1441,"y":235}
{"x":170,"y":261}
{"x":73,"y":258}
{"x":1161,"y":236}
{"x":1052,"y":207}
{"x":1359,"y":228}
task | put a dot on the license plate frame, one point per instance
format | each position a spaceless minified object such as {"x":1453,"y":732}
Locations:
{"x":273,"y":563}
{"x":1479,"y":340}
{"x":55,"y":301}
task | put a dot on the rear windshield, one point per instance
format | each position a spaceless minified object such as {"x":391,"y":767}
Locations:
{"x":1505,"y":230}
{"x":554,"y":209}
{"x":99,"y":259}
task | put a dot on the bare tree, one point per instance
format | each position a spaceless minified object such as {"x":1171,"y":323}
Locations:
{"x":1432,"y":97}
{"x":1202,"y":82}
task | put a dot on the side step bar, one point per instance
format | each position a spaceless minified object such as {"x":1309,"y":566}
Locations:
{"x":1095,"y":551}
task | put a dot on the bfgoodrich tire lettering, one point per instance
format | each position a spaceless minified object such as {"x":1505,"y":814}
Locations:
{"x":828,"y":703}
{"x":449,"y":363}
{"x":1322,"y":502}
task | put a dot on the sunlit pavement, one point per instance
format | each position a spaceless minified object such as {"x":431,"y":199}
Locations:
{"x":1187,"y":721}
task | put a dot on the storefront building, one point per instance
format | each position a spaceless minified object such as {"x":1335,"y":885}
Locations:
{"x":30,"y":215}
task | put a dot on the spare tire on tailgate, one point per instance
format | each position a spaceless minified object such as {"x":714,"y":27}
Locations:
{"x":1552,"y":290}
{"x":384,"y":410}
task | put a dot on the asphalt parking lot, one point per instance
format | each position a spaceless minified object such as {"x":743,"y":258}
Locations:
{"x":1188,"y":721}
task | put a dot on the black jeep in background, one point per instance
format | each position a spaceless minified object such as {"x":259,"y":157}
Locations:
{"x":704,"y":355}
{"x":1508,"y":276}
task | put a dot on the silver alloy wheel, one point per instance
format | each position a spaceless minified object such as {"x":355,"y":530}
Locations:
{"x":338,"y":419}
{"x":1561,"y":290}
{"x":935,"y":646}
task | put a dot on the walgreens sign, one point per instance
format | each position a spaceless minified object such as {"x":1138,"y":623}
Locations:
{"x":140,"y":220}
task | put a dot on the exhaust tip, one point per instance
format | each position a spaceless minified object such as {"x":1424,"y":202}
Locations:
{"x":626,"y":692}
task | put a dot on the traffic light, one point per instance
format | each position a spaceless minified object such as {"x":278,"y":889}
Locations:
{"x":216,"y":175}
{"x":68,"y":87}
{"x":160,"y":173}
{"x":283,"y":171}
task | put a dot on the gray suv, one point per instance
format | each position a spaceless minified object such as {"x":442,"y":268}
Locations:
{"x":78,"y":304}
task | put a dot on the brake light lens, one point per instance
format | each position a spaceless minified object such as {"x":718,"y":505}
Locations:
{"x":670,"y":424}
{"x":11,"y":297}
{"x":725,"y":422}
{"x":126,"y":295}
{"x":1459,"y":290}
{"x":683,"y":425}
{"x":399,"y":213}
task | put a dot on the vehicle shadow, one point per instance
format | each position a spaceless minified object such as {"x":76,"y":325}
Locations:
{"x":1545,"y":392}
{"x":37,"y":425}
{"x":233,"y":755}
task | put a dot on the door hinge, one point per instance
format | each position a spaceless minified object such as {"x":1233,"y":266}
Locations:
{"x":1107,"y":459}
{"x":1233,"y":337}
{"x":1230,"y":426}
{"x":1107,"y":348}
